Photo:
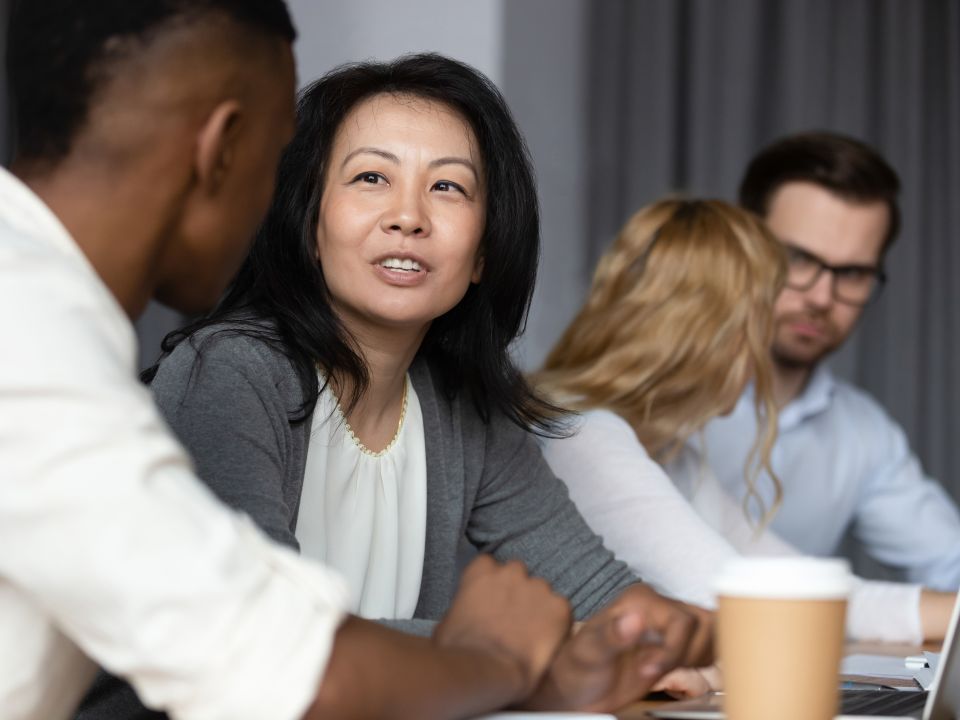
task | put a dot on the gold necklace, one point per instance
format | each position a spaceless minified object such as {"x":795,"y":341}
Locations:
{"x":396,"y":436}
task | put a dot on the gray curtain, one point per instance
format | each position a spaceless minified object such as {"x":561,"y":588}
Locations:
{"x":683,"y":92}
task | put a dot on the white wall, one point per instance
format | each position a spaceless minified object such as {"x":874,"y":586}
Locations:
{"x":545,"y":85}
{"x":338,"y":31}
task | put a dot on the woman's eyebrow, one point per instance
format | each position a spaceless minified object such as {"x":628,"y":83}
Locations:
{"x":390,"y":157}
{"x":454,"y":160}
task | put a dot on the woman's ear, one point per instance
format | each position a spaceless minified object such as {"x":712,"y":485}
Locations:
{"x":477,"y":270}
{"x":216,"y":146}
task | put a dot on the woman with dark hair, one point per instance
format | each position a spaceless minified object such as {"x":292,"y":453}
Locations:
{"x":353,"y":392}
{"x":283,"y":278}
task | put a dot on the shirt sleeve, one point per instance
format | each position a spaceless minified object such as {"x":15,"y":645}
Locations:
{"x":627,"y":498}
{"x":903,"y":518}
{"x":877,"y":611}
{"x":104,"y":525}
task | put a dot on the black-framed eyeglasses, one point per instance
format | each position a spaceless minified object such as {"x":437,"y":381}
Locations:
{"x":852,"y":284}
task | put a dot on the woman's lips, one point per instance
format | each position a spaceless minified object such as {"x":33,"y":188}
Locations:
{"x":401,"y":270}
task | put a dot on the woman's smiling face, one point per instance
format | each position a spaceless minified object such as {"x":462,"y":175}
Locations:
{"x":402,"y":213}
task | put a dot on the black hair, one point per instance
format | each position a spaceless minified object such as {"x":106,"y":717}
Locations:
{"x":282,"y":282}
{"x":847,"y":167}
{"x":59,"y":53}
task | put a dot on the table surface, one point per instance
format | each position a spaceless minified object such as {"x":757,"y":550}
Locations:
{"x":638,"y":711}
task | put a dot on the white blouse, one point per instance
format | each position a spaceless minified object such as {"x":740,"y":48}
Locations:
{"x":365,"y":513}
{"x":677,"y":531}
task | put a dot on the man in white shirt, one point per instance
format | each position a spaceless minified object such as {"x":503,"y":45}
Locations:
{"x":149,"y":132}
{"x":842,"y":460}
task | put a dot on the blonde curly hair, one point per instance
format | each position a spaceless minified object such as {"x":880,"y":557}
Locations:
{"x":678,"y":319}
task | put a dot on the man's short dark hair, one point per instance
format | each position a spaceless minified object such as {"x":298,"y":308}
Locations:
{"x":846,"y":167}
{"x":58,"y":50}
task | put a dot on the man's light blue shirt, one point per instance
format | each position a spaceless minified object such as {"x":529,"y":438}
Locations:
{"x":844,"y":462}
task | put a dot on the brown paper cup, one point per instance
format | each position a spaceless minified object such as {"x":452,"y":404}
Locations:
{"x":780,"y":635}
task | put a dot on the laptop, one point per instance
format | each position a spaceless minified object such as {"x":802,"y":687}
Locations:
{"x":940,"y":702}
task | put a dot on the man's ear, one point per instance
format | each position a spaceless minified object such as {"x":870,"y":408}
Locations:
{"x":216,"y":145}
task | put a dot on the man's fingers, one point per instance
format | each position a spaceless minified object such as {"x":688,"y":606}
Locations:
{"x":700,"y":651}
{"x":656,"y":649}
{"x":654,"y":661}
{"x":602,"y":638}
{"x":651,"y":637}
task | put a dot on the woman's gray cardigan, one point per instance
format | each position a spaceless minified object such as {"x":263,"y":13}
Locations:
{"x":486,"y":482}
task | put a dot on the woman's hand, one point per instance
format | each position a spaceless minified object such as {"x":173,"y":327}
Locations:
{"x":684,"y":683}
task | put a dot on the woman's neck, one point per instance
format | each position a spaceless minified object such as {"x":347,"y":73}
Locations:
{"x":388,"y":354}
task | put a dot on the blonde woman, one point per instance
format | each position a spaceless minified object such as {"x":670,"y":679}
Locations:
{"x":677,"y":322}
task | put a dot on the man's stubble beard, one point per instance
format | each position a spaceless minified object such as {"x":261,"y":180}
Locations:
{"x":786,"y":360}
{"x":790,"y":359}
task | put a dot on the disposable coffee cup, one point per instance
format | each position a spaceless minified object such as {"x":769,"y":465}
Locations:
{"x":780,"y":635}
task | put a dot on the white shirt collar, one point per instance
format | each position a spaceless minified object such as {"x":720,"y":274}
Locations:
{"x":25,"y":212}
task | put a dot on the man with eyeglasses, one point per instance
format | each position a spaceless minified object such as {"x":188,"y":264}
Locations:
{"x":842,"y":461}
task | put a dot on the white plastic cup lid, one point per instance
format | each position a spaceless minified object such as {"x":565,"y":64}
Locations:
{"x":799,"y":578}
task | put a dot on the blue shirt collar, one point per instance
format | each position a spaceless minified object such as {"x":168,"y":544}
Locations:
{"x":814,"y":399}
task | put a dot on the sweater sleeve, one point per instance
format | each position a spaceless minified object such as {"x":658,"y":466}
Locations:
{"x":523,"y":511}
{"x":229,"y":406}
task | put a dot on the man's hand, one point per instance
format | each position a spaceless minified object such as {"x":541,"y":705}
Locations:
{"x":500,"y":610}
{"x":619,"y":653}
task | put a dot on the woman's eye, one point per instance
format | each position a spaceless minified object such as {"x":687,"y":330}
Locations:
{"x":447,"y":186}
{"x":370,"y":178}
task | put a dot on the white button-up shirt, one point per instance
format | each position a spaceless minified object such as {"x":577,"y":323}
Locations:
{"x":110,"y":549}
{"x":844,"y":463}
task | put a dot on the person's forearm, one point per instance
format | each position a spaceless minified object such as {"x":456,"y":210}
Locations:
{"x":935,"y":611}
{"x":378,"y":672}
